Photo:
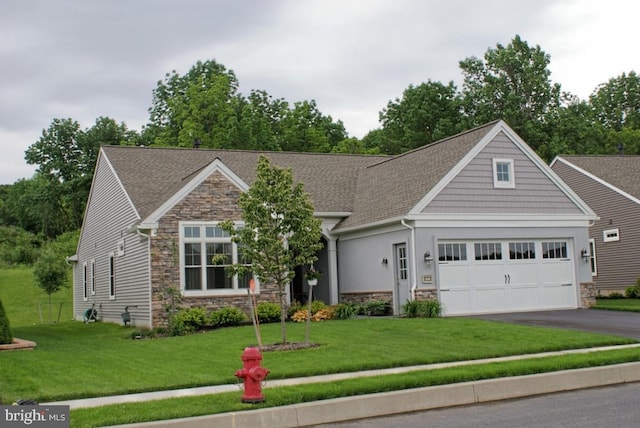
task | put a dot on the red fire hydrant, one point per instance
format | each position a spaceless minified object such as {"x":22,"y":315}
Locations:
{"x":253,"y":374}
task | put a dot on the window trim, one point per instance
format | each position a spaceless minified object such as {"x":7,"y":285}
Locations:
{"x":502,"y":184}
{"x":203,"y":240}
{"x":593,"y":261}
{"x":92,"y":277}
{"x":112,"y":275}
{"x":85,"y":282}
{"x":611,"y":235}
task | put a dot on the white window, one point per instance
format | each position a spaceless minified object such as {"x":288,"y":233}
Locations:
{"x":454,"y":251}
{"x":554,"y":250}
{"x":611,"y":235}
{"x":207,"y":253}
{"x":503,"y":173}
{"x":592,"y":257}
{"x":488,"y":250}
{"x":85,"y":279}
{"x":112,"y":276}
{"x":522,"y":250}
{"x":92,"y":277}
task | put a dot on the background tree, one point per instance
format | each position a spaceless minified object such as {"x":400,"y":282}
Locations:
{"x":6,"y":336}
{"x":426,"y":113}
{"x":50,"y":272}
{"x":66,"y":157}
{"x":279,"y":233}
{"x":511,"y":83}
{"x":306,"y":129}
{"x":617,"y":103}
{"x":199,"y":104}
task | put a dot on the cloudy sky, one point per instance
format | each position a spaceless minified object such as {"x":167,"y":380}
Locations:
{"x":85,"y":59}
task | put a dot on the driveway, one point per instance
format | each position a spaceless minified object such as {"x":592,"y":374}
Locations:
{"x":617,"y":323}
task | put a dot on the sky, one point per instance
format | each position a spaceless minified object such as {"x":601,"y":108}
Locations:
{"x":83,"y":59}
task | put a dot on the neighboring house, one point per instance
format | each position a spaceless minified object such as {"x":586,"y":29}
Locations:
{"x":611,"y":187}
{"x":476,"y":220}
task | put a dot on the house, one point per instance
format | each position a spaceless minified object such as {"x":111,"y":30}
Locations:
{"x":476,"y":220}
{"x":611,"y":187}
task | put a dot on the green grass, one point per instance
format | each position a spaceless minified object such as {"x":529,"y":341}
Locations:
{"x":629,"y":305}
{"x":27,"y":304}
{"x":281,"y":396}
{"x":77,"y":360}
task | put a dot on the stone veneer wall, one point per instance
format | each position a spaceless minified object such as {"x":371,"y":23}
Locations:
{"x":214,"y":200}
{"x":367,"y":296}
{"x":587,"y":294}
{"x":426,"y":294}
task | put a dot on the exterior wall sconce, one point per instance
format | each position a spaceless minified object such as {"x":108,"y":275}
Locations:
{"x":384,"y":261}
{"x":585,"y":255}
{"x":428,"y":260}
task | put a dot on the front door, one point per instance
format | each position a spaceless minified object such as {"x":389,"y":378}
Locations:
{"x":401,"y":294}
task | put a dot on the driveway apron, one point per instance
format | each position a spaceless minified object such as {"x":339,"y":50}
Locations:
{"x":617,"y":323}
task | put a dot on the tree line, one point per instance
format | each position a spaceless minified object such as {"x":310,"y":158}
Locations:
{"x":204,"y":107}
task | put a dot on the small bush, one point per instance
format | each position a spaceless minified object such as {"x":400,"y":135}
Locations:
{"x":6,"y":336}
{"x":376,"y":308}
{"x":317,"y":305}
{"x":293,"y":308}
{"x":227,"y":317}
{"x":422,"y":309}
{"x":300,"y":315}
{"x":344,"y":311}
{"x":633,"y":292}
{"x":187,"y":321}
{"x":268,"y":312}
{"x":323,"y":314}
{"x":615,"y":295}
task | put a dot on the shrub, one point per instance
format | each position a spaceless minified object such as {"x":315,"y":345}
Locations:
{"x":268,"y":312}
{"x":376,"y":308}
{"x":633,"y":292}
{"x":6,"y":336}
{"x":317,"y":305}
{"x":187,"y":321}
{"x":227,"y":317}
{"x":615,"y":295}
{"x":300,"y":315}
{"x":294,"y":307}
{"x":422,"y":309}
{"x":344,"y":311}
{"x":323,"y":314}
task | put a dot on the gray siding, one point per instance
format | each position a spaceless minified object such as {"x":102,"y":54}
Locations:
{"x":617,"y":262}
{"x":109,"y":215}
{"x":472,"y":191}
{"x":360,"y":267}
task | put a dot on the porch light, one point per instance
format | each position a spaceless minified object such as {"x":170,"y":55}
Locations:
{"x":427,"y":259}
{"x":585,"y":255}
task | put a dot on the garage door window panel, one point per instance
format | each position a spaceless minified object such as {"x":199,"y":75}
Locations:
{"x":452,"y":252}
{"x":554,"y":250}
{"x":487,"y":251}
{"x":522,"y":250}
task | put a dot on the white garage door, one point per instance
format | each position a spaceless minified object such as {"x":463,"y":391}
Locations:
{"x":505,"y":276}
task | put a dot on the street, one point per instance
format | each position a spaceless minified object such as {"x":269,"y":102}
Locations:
{"x":615,"y":407}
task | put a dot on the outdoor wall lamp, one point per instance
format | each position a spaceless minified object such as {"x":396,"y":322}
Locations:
{"x":427,"y":259}
{"x":585,"y":255}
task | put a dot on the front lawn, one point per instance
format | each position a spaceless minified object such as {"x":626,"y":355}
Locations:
{"x":76,"y":360}
{"x":629,"y":305}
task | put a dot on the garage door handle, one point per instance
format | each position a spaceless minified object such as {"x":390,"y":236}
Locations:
{"x":566,"y":285}
{"x":507,"y":279}
{"x":445,"y":289}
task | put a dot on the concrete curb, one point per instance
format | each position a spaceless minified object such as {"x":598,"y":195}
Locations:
{"x":434,"y":397}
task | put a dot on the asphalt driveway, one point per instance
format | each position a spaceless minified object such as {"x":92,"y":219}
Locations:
{"x":617,"y":323}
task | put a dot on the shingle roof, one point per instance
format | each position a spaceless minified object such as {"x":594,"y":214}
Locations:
{"x":622,"y":172}
{"x":151,"y":175}
{"x":392,"y":187}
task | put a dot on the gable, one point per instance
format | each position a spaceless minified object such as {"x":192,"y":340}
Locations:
{"x":472,"y":190}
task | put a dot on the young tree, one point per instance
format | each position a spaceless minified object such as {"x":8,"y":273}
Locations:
{"x":279,"y":233}
{"x":6,"y":336}
{"x":50,"y":272}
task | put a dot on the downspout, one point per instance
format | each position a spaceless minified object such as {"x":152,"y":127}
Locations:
{"x":148,"y":237}
{"x":412,"y":259}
